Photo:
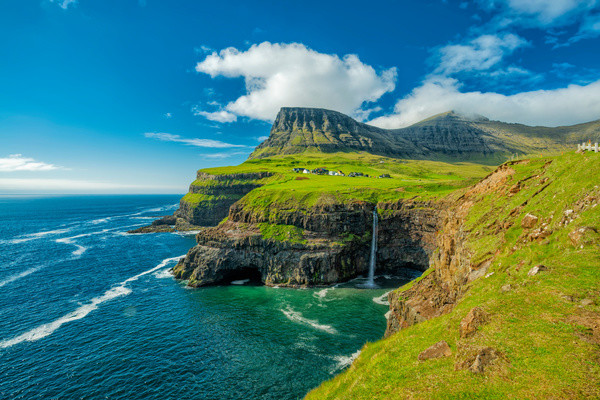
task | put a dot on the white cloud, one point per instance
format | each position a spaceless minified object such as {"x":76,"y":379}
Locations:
{"x":218,"y":116}
{"x":293,"y":75}
{"x":225,"y":155}
{"x":16,"y":162}
{"x":78,"y":186}
{"x":64,"y":4}
{"x":540,"y":12}
{"x":479,"y":54}
{"x":564,"y":106}
{"x":167,"y":137}
{"x":262,"y":138}
{"x":590,"y":28}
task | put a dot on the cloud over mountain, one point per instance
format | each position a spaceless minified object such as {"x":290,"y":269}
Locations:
{"x":279,"y":75}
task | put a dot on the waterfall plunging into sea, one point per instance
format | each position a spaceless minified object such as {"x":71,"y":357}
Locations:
{"x":370,"y":284}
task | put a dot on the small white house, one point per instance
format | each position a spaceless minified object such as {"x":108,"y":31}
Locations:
{"x":332,"y":173}
{"x":305,"y":171}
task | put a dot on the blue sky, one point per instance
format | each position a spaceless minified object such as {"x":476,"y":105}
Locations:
{"x":132,"y":96}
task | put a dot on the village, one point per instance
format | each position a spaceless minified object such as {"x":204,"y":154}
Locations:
{"x":323,"y":171}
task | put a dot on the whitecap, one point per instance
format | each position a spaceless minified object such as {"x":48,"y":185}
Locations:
{"x":295,"y":316}
{"x":82,"y":311}
{"x":240,"y":282}
{"x":383,"y":299}
{"x":20,"y":275}
{"x":344,"y":361}
{"x":80,"y":249}
{"x":38,"y":235}
{"x":165,"y":273}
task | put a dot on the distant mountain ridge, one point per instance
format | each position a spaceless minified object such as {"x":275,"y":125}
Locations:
{"x":446,"y":136}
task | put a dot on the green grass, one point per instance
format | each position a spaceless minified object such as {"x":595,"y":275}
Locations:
{"x":537,"y":325}
{"x":282,"y":233}
{"x":410,"y":178}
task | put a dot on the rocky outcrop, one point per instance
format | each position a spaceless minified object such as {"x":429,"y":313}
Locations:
{"x":334,"y":245}
{"x":207,"y":202}
{"x":235,"y":251}
{"x":210,"y":196}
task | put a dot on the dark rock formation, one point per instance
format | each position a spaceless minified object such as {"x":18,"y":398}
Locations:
{"x":210,"y":196}
{"x":335,"y":244}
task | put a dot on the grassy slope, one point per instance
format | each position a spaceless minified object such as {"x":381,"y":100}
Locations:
{"x":540,"y":325}
{"x":424,"y":179}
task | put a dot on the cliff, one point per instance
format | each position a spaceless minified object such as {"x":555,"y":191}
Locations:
{"x":313,"y":246}
{"x":509,"y":307}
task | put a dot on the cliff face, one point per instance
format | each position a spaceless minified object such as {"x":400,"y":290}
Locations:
{"x":451,"y":267}
{"x":210,"y":196}
{"x":444,"y":136}
{"x":322,"y":245}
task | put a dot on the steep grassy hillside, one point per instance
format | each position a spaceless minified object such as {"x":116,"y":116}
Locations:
{"x":445,"y":137}
{"x":534,"y":336}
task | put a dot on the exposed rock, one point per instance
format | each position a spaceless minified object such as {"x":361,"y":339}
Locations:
{"x":438,"y":350}
{"x":236,"y":248}
{"x":535,"y":270}
{"x":587,"y":302}
{"x":166,"y":220}
{"x":480,"y":360}
{"x":529,"y":221}
{"x":210,"y":196}
{"x":472,"y":321}
{"x":583,"y":236}
{"x":506,"y":288}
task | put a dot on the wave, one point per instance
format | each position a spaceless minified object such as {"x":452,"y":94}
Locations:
{"x":382,"y":299}
{"x":82,"y":311}
{"x":295,"y":316}
{"x":344,"y":361}
{"x":38,"y":235}
{"x":80,"y":249}
{"x":20,"y":275}
{"x":240,"y":282}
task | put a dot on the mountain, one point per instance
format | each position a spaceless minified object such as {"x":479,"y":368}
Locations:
{"x":447,"y":136}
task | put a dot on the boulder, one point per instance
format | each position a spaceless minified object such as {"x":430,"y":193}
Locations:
{"x":472,"y":321}
{"x":534,"y":271}
{"x":483,"y":359}
{"x":583,"y":236}
{"x":529,"y":221}
{"x":438,"y":350}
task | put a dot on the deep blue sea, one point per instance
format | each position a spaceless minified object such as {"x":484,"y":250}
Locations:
{"x":88,"y":311}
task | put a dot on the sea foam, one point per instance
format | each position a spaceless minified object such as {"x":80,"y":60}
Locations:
{"x":383,"y":299}
{"x":38,"y":235}
{"x":344,"y":361}
{"x":82,"y":311}
{"x":295,"y":316}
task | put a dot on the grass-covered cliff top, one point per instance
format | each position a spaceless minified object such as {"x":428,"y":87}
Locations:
{"x":409,"y":178}
{"x":545,"y":326}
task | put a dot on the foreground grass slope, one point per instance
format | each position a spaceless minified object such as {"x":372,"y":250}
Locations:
{"x":546,"y":326}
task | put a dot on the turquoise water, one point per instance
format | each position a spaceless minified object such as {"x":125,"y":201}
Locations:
{"x":88,"y":311}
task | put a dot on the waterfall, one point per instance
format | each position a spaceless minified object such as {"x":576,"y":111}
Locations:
{"x":370,"y":284}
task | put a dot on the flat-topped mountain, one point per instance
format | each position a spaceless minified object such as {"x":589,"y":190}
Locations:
{"x":444,"y":136}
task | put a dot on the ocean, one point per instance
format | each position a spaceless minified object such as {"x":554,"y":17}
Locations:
{"x":88,"y":311}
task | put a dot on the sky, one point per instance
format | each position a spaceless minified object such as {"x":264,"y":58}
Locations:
{"x":133,"y":96}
